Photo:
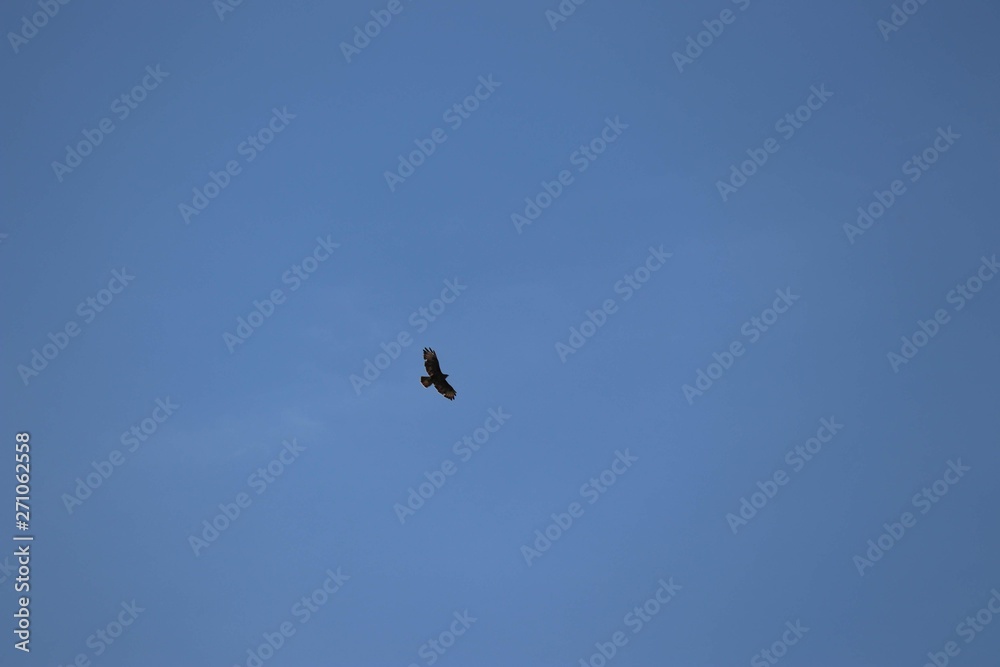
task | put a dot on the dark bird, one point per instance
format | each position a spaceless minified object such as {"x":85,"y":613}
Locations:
{"x":435,"y":376}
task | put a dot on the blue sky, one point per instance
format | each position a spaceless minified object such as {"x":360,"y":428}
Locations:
{"x":744,"y":363}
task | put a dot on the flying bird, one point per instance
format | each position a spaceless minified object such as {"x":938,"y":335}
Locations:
{"x":435,"y":376}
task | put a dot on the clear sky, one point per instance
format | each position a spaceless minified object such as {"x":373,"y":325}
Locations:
{"x":679,"y":354}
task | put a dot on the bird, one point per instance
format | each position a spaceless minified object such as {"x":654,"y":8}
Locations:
{"x":435,"y":376}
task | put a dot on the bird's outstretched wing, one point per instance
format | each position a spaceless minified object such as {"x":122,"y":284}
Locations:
{"x":431,"y":362}
{"x":445,"y":389}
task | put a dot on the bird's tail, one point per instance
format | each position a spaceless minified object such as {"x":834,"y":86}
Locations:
{"x":426,"y":381}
